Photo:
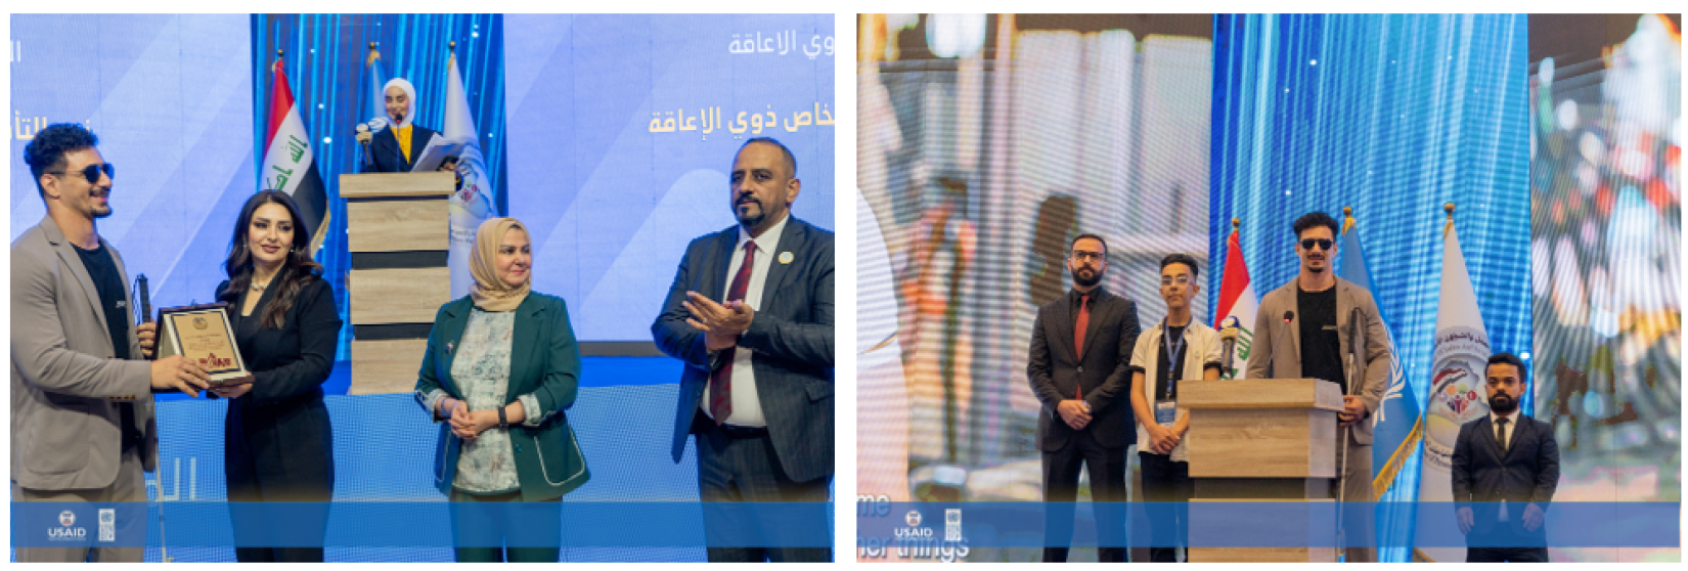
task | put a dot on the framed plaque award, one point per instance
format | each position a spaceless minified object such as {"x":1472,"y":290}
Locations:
{"x":201,"y":333}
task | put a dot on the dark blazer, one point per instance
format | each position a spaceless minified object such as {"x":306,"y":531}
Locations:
{"x":384,"y":148}
{"x":791,"y":335}
{"x":1056,"y":373}
{"x":1528,"y":472}
{"x":277,"y":436}
{"x":544,"y":361}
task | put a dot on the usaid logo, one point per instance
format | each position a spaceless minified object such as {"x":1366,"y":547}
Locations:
{"x":65,"y":532}
{"x":914,"y":530}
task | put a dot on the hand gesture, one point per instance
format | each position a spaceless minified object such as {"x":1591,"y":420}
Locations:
{"x":462,"y":422}
{"x":1533,"y":517}
{"x":175,"y":372}
{"x":148,"y":332}
{"x":1353,"y":409}
{"x":1074,"y":413}
{"x":232,"y":390}
{"x":720,"y":324}
{"x":1465,"y":520}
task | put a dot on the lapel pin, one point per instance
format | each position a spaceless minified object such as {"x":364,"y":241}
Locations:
{"x":785,"y":257}
{"x":448,"y":346}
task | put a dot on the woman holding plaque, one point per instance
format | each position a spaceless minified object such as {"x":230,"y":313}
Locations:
{"x":501,"y":367}
{"x":277,"y":441}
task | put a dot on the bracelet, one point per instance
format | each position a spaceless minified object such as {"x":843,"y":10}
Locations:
{"x":502,"y":423}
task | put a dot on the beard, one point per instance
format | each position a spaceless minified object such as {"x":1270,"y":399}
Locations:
{"x":95,"y":209}
{"x":1503,"y":403}
{"x":1095,"y":277}
{"x":746,"y":216}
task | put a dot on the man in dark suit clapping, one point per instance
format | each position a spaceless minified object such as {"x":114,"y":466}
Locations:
{"x":1080,"y":352}
{"x":1509,"y":464}
{"x":750,"y":313}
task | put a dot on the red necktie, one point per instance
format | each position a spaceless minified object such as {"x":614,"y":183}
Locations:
{"x":1083,"y":323}
{"x":721,"y":381}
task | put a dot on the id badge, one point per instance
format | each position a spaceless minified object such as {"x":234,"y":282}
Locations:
{"x":1166,"y":412}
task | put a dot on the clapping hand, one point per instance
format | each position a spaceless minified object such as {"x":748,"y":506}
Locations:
{"x":721,"y":324}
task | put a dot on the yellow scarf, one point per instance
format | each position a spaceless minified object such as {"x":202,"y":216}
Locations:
{"x":403,"y":134}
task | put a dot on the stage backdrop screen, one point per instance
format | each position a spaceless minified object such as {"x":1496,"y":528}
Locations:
{"x":622,"y":131}
{"x":985,"y":144}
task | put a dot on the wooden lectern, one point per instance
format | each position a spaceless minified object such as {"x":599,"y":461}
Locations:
{"x":398,"y":230}
{"x":1261,"y":440}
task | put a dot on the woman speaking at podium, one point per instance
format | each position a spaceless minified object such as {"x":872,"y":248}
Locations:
{"x":501,"y":367}
{"x":278,"y":445}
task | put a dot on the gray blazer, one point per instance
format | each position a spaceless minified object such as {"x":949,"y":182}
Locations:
{"x":1269,"y":328}
{"x":65,"y":383}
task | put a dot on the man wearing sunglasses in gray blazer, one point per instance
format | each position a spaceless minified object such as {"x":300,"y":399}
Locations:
{"x":82,"y":412}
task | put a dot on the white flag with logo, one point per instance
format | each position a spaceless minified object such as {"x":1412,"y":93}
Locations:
{"x":1460,"y":355}
{"x":473,"y":202}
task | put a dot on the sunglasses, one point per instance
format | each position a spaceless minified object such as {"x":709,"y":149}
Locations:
{"x":1323,"y":244}
{"x":92,"y":172}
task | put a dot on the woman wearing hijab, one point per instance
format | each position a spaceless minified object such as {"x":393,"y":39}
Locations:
{"x":396,"y":147}
{"x":278,"y":445}
{"x":501,"y":367}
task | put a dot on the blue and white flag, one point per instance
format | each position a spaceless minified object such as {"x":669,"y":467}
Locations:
{"x":473,"y":202}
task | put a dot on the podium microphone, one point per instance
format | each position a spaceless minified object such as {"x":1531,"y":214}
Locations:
{"x":363,"y":140}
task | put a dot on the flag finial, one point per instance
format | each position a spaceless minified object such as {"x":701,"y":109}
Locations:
{"x":1449,"y":208}
{"x":372,"y":45}
{"x":1236,"y":223}
{"x":453,"y":46}
{"x":1347,"y":211}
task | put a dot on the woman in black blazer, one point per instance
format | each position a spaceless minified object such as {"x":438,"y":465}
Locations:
{"x":278,"y":445}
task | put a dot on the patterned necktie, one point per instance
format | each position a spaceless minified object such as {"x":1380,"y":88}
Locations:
{"x":1500,"y":433}
{"x":721,"y":381}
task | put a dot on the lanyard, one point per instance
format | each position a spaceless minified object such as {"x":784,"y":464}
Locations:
{"x":1173,"y":350}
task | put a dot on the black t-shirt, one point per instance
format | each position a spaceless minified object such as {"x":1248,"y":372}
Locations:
{"x":108,"y":281}
{"x":1320,"y":345}
{"x":1171,"y":369}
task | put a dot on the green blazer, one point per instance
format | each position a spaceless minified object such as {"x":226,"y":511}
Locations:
{"x":545,"y":361}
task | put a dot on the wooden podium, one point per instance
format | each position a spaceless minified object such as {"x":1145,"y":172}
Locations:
{"x":398,"y":230}
{"x":1261,"y":440}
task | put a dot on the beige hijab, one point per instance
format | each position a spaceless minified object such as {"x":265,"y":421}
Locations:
{"x":491,"y":293}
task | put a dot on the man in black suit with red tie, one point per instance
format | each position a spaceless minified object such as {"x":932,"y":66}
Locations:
{"x":1508,"y":464}
{"x":750,"y":313}
{"x":1078,"y":367}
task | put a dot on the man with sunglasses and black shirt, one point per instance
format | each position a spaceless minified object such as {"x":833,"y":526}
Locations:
{"x":1306,"y":330}
{"x":82,"y":413}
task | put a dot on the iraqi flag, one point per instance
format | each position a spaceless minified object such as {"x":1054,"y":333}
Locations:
{"x":473,"y":201}
{"x":1460,"y":356}
{"x":1237,"y":305}
{"x":289,"y":165}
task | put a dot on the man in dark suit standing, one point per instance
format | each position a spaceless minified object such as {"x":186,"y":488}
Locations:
{"x":757,"y":386}
{"x":1078,"y":367}
{"x":1509,"y":463}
